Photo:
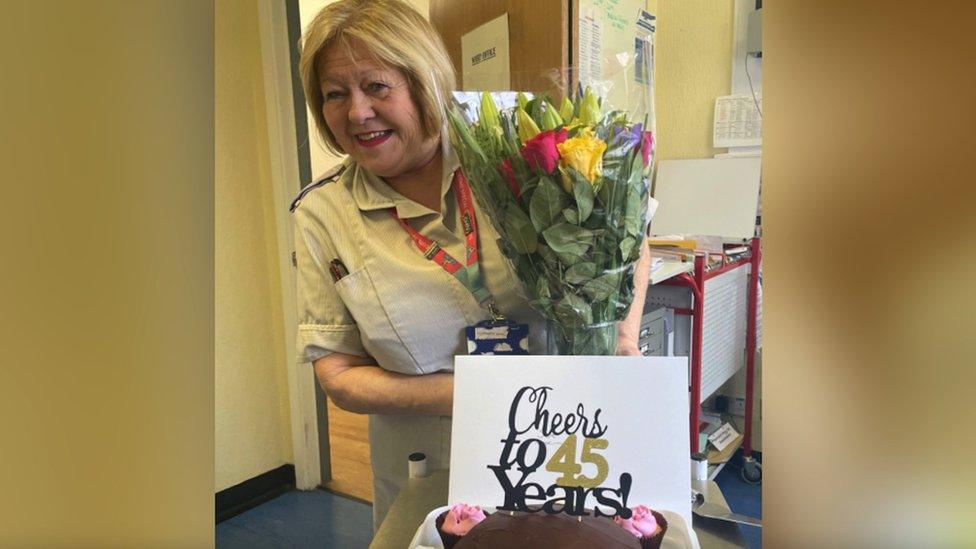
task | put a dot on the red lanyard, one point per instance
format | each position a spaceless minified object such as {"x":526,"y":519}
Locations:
{"x":431,"y":249}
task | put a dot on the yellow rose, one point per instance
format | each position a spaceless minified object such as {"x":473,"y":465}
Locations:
{"x":584,"y":153}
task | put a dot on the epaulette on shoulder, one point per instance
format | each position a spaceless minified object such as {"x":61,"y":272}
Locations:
{"x":316,"y":184}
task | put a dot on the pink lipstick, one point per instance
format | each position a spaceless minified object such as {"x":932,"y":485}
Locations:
{"x":373,"y":139}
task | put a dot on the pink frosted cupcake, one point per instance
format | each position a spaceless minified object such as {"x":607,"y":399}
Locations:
{"x":647,"y":525}
{"x":457,"y":522}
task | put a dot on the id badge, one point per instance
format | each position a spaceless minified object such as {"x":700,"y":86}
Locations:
{"x":497,"y":337}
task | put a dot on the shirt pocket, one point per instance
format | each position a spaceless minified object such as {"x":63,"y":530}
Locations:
{"x":380,"y":338}
{"x":429,"y":308}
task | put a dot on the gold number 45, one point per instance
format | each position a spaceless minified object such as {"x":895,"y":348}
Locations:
{"x":563,"y":461}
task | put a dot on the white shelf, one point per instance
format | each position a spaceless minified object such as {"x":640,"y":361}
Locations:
{"x":668,"y":269}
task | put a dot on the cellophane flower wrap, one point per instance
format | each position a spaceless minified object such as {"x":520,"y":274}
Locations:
{"x":565,"y":189}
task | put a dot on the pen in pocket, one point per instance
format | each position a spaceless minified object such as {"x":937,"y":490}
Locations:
{"x":337,"y":269}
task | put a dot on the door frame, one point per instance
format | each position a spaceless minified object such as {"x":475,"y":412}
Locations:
{"x":312,"y":466}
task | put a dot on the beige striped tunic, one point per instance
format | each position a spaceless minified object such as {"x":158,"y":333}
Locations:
{"x":395,"y":306}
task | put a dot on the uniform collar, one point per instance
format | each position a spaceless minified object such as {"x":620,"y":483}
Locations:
{"x":372,"y":193}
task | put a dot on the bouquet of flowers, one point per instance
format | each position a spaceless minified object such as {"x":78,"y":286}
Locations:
{"x":565,"y":188}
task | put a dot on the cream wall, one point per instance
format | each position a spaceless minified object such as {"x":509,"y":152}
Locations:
{"x":251,"y":424}
{"x":693,"y":64}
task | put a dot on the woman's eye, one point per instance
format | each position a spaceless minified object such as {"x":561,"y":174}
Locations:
{"x":377,"y":88}
{"x":333,"y":95}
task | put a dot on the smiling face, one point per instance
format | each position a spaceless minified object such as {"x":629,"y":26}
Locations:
{"x":369,"y":109}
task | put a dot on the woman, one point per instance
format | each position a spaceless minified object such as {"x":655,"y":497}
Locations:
{"x":380,"y":322}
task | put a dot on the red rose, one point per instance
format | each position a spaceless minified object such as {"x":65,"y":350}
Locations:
{"x":647,"y":140}
{"x":506,"y":168}
{"x":540,"y":152}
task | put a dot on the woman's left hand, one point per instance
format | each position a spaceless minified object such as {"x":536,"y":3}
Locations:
{"x":628,"y":349}
{"x":629,"y":328}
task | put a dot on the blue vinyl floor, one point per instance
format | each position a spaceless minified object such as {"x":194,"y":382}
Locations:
{"x":322,"y":519}
{"x":743,"y":498}
{"x":300,"y":519}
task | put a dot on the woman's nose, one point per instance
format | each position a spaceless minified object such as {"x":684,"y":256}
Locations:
{"x":360,"y":108}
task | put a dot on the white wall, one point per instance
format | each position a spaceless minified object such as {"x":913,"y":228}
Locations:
{"x":252,"y":419}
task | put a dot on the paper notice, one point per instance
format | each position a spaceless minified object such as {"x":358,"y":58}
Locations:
{"x":722,"y":437}
{"x":484,"y":57}
{"x":737,"y":122}
{"x":590,"y":65}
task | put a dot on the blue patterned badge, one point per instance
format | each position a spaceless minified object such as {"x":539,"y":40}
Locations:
{"x":497,"y":337}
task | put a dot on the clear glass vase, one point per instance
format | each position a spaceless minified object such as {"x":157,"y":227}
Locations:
{"x":597,"y":339}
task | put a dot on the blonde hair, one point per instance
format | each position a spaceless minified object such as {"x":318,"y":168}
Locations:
{"x":398,"y":37}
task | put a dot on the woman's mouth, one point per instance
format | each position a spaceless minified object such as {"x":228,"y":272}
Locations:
{"x":373,"y":139}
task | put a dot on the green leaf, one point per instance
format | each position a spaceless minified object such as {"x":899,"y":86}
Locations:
{"x":627,"y":246}
{"x":550,"y":257}
{"x":583,"y":192}
{"x":601,"y":287}
{"x":626,"y":297}
{"x":547,"y":202}
{"x":596,"y":219}
{"x":605,"y":248}
{"x":524,"y":268}
{"x":507,"y":249}
{"x":544,"y":305}
{"x":534,"y":108}
{"x":518,"y":230}
{"x":542,"y":288}
{"x":461,"y":134}
{"x":510,"y":134}
{"x":581,"y":273}
{"x":571,"y":216}
{"x":632,"y":213}
{"x":605,"y":193}
{"x":568,"y":259}
{"x":573,"y":310}
{"x":489,"y":139}
{"x":568,"y":239}
{"x":550,"y":116}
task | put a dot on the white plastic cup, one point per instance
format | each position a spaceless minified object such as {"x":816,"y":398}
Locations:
{"x":417,"y":465}
{"x":699,"y":466}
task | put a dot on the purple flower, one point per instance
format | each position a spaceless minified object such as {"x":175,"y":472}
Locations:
{"x":634,"y":136}
{"x":624,"y":137}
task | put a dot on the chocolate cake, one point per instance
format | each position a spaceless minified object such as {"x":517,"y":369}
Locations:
{"x":540,"y":531}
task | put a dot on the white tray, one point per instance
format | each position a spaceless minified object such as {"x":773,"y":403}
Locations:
{"x":678,"y":536}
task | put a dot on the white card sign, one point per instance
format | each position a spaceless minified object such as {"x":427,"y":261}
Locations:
{"x":573,"y":434}
{"x":484,"y":57}
{"x":723,"y":436}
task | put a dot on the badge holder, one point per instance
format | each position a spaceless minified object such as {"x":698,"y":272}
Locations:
{"x":497,"y":336}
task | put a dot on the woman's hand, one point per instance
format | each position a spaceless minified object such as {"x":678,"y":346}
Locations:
{"x":628,"y":328}
{"x":627,"y":339}
{"x":628,"y":349}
